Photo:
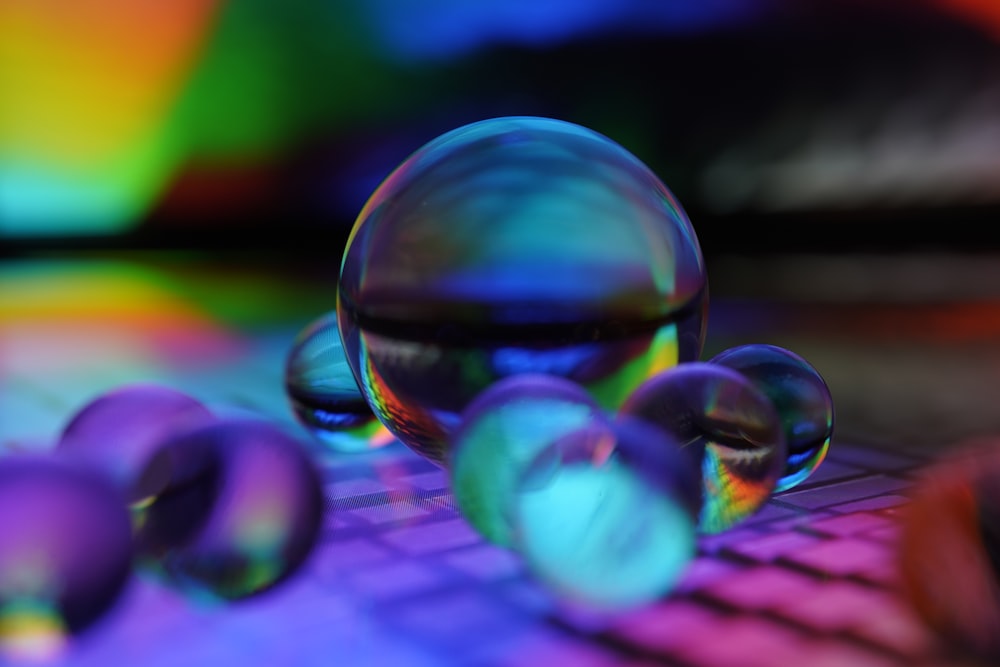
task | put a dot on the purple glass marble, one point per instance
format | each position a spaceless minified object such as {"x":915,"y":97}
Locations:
{"x":232,"y":508}
{"x":118,"y":431}
{"x":729,"y":426}
{"x":65,"y":553}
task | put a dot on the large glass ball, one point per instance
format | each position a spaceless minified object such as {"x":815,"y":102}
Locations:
{"x":509,"y":246}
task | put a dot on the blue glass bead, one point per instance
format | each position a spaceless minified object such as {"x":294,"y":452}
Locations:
{"x":232,"y":509}
{"x":801,"y":397}
{"x":606,"y":514}
{"x":510,"y":246}
{"x":323,"y":393}
{"x":65,"y":553}
{"x":502,"y":430}
{"x":118,"y":431}
{"x":728,"y":426}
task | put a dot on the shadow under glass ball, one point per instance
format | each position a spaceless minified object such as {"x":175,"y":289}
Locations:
{"x":728,"y":426}
{"x":512,"y":246}
{"x":324,"y":395}
{"x":231,"y":509}
{"x":65,"y":553}
{"x":801,"y":397}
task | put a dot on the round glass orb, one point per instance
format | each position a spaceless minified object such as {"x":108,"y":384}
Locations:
{"x":325,"y":396}
{"x":606,"y":514}
{"x":801,"y":397}
{"x":510,"y":246}
{"x":730,"y":428}
{"x":502,"y":430}
{"x":65,"y":553}
{"x":118,"y":431}
{"x":232,"y":508}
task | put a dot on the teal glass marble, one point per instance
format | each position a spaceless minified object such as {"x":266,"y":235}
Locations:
{"x":606,"y":514}
{"x":801,"y":396}
{"x":323,"y":393}
{"x":119,"y":430}
{"x":510,"y":246}
{"x":65,"y":554}
{"x":232,"y":509}
{"x":501,"y":431}
{"x":728,"y":426}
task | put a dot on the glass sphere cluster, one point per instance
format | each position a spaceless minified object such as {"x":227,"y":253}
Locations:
{"x":523,"y":302}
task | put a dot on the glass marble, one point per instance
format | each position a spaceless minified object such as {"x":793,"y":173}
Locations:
{"x":728,"y":426}
{"x":606,"y":514}
{"x":949,"y":549}
{"x":510,"y":246}
{"x":118,"y":431}
{"x":65,"y":553}
{"x":232,"y":509}
{"x":801,"y":397}
{"x":501,"y":431}
{"x":325,"y":396}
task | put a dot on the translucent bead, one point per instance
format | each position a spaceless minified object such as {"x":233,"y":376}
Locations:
{"x":511,"y":246}
{"x":324,"y":394}
{"x":606,"y":514}
{"x":728,"y":425}
{"x":502,"y":430}
{"x":233,"y":508}
{"x":801,"y":397}
{"x":65,"y":553}
{"x":118,"y":431}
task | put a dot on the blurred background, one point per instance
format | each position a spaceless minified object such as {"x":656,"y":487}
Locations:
{"x":840,"y":159}
{"x":252,"y":123}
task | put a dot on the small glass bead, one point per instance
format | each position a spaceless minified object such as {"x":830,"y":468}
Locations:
{"x":324,"y":394}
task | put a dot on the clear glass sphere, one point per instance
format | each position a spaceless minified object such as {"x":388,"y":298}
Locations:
{"x":606,"y":514}
{"x":325,"y":396}
{"x":731,"y":429}
{"x":232,"y":509}
{"x":510,"y":246}
{"x":801,"y":397}
{"x":502,"y":431}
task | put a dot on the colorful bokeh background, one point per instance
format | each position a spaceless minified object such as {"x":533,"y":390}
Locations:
{"x":234,"y":120}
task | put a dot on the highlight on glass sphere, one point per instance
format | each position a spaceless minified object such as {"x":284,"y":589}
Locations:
{"x":119,"y":430}
{"x":65,"y":554}
{"x":501,"y":431}
{"x":801,"y":397}
{"x":323,"y":393}
{"x":949,"y":550}
{"x":232,"y":509}
{"x":509,"y":246}
{"x":728,"y":426}
{"x":606,"y":514}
